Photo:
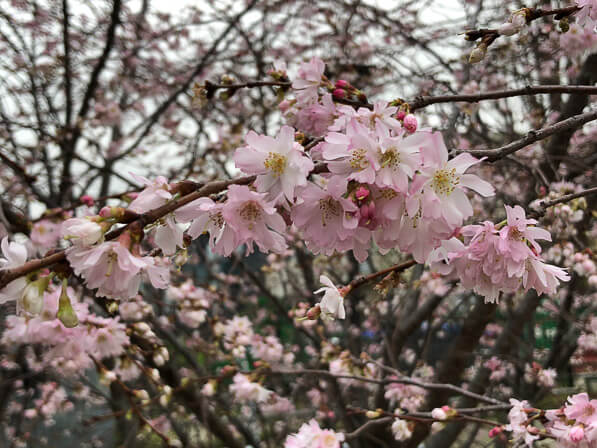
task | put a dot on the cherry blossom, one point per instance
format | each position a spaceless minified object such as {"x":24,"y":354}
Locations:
{"x":280,"y":163}
{"x":332,"y":303}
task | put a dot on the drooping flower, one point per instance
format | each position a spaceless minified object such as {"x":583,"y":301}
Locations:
{"x":581,"y":409}
{"x":308,"y":80}
{"x":254,"y":220}
{"x":280,"y":163}
{"x":155,"y":194}
{"x":332,"y":303}
{"x":82,"y":231}
{"x":206,"y":217}
{"x":324,"y":215}
{"x":114,"y":270}
{"x":169,"y":236}
{"x":15,"y":255}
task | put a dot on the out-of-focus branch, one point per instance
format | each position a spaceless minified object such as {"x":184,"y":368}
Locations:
{"x":533,"y":136}
{"x":424,"y":101}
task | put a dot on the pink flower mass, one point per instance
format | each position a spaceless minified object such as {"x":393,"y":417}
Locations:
{"x":329,"y":224}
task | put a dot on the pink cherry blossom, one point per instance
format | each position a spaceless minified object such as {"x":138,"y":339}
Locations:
{"x":254,"y":220}
{"x":169,"y":236}
{"x":310,"y":435}
{"x":581,"y":409}
{"x":324,"y":216}
{"x":441,"y":183}
{"x":114,"y":270}
{"x":155,"y":194}
{"x":247,"y":390}
{"x":280,"y":163}
{"x":82,"y":231}
{"x":308,"y":80}
{"x":206,"y":217}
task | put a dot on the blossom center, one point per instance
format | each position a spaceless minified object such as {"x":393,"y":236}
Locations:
{"x":445,"y":181}
{"x":390,"y":158}
{"x":358,"y":160}
{"x":276,"y":163}
{"x":330,"y":208}
{"x":217,"y":219}
{"x":514,"y":234}
{"x":250,"y":212}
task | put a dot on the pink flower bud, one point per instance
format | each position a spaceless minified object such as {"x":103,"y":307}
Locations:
{"x":410,"y":123}
{"x":342,"y":84}
{"x":105,"y":212}
{"x":361,"y":193}
{"x":495,"y":431}
{"x":87,"y":200}
{"x":400,"y":115}
{"x":339,"y":93}
{"x":577,"y":433}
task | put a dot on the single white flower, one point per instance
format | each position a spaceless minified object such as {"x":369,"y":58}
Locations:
{"x":332,"y":303}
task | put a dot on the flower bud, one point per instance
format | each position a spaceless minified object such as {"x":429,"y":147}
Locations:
{"x":342,"y":84}
{"x":508,"y":29}
{"x":87,"y":200}
{"x":439,"y":414}
{"x":410,"y":123}
{"x":495,"y":431}
{"x":478,"y":53}
{"x":361,"y":193}
{"x":33,"y":295}
{"x":141,"y":394}
{"x":577,"y":433}
{"x":339,"y":93}
{"x":66,"y":313}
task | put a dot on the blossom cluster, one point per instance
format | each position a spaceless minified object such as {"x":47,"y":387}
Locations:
{"x":70,"y":349}
{"x":382,"y":180}
{"x":573,"y":425}
{"x":311,"y":435}
{"x":500,"y":258}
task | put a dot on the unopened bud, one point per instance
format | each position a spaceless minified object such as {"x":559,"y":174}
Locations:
{"x":342,"y":84}
{"x":508,"y":29}
{"x":66,"y":313}
{"x":141,"y":394}
{"x":495,"y":431}
{"x":478,"y":53}
{"x":339,"y":93}
{"x":410,"y":123}
{"x":33,"y":295}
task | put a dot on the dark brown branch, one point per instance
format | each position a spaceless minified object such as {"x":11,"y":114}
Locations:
{"x":424,"y":101}
{"x":533,"y":136}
